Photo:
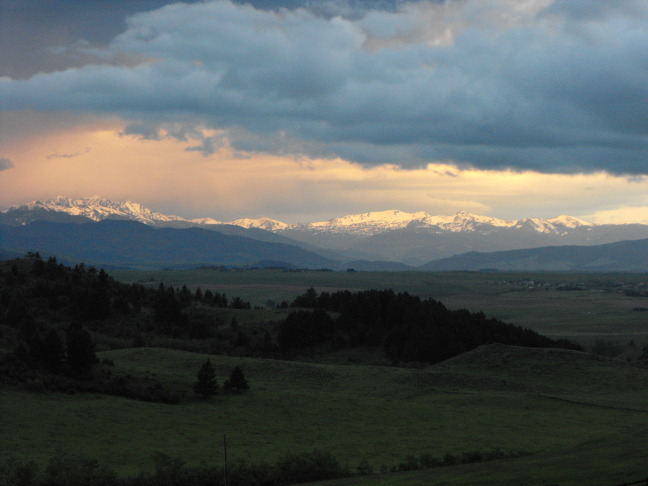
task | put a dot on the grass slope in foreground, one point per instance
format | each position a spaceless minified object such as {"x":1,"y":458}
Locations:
{"x":555,"y":404}
{"x":607,"y":461}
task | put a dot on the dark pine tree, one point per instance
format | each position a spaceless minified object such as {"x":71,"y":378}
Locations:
{"x":53,"y":353}
{"x":206,"y":384}
{"x":236,"y":382}
{"x":80,"y":350}
{"x":38,"y":267}
{"x":199,"y":295}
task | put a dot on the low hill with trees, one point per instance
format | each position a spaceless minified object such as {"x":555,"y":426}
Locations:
{"x":406,"y":327}
{"x":52,"y":317}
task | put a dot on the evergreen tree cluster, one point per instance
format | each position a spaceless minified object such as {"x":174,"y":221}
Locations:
{"x":48,"y":351}
{"x":408,"y":328}
{"x":206,"y":384}
{"x":49,"y":314}
{"x":170,"y":310}
{"x":37,"y":294}
{"x":46,"y":304}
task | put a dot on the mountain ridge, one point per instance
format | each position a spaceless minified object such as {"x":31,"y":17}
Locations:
{"x":413,"y":239}
{"x":622,"y":256}
{"x":131,"y":244}
{"x":97,"y":208}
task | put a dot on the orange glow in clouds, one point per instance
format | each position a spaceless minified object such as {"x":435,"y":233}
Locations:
{"x":96,"y":160}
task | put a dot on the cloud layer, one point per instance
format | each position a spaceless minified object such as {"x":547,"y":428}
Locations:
{"x":550,"y":86}
{"x":226,"y":186}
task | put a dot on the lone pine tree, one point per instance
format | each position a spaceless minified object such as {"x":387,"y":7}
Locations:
{"x":236,"y":381}
{"x":206,"y":384}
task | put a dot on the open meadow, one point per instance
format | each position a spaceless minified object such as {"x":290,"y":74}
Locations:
{"x":552,"y":404}
{"x":549,"y":416}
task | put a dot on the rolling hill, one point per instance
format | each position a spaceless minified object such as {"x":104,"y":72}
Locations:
{"x":130,"y":244}
{"x":626,"y":256}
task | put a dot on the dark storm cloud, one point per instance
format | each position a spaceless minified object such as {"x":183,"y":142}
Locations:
{"x":50,"y":35}
{"x":5,"y":164}
{"x":45,"y":36}
{"x":557,"y":88}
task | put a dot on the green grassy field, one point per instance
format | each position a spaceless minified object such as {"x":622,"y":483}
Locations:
{"x":582,"y":418}
{"x":608,"y":461}
{"x":550,"y":404}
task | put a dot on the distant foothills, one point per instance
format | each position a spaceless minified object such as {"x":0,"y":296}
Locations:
{"x":129,"y":235}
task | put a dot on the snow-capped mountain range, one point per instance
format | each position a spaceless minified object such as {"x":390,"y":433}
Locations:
{"x":97,"y":209}
{"x":412,"y":239}
{"x":378,"y":222}
{"x":367,"y":224}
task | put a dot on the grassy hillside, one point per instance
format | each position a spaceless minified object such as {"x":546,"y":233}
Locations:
{"x":489,"y":399}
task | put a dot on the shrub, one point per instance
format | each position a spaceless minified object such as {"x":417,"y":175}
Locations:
{"x":14,"y":472}
{"x":77,"y":471}
{"x":317,"y":465}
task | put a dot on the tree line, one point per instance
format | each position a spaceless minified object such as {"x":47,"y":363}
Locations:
{"x":52,"y":310}
{"x":407,"y":327}
{"x":51,"y":315}
{"x":36,"y":293}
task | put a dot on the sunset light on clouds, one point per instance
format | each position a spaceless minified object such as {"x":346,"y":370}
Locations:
{"x":304,"y":113}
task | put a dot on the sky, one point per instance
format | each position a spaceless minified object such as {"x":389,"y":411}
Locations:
{"x":303,"y":110}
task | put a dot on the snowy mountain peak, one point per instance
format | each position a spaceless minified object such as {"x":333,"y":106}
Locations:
{"x":206,"y":221}
{"x":263,"y":223}
{"x":569,"y":221}
{"x":389,"y":218}
{"x":363,"y":224}
{"x":367,"y":223}
{"x":59,"y":201}
{"x":462,"y":221}
{"x":97,"y":209}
